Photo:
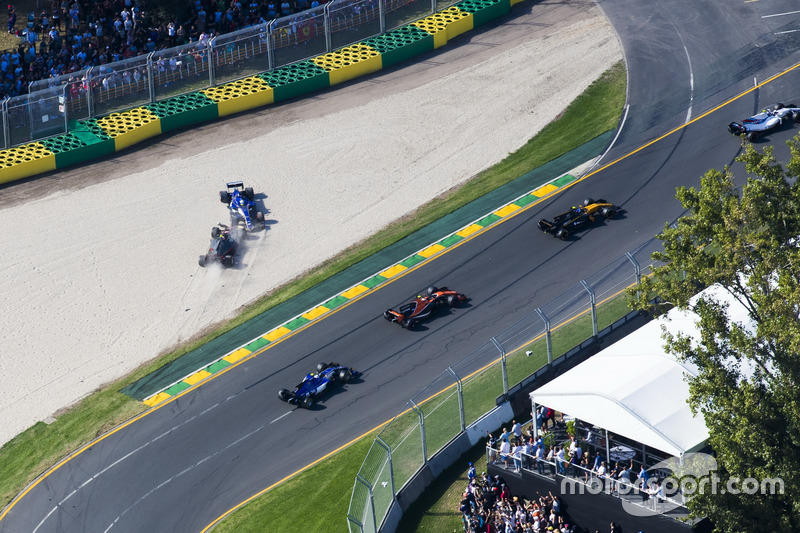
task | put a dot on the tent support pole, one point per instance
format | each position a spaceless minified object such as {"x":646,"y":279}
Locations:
{"x":608,"y":453}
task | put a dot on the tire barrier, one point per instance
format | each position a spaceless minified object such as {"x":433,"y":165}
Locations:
{"x":183,"y":111}
{"x":26,"y":160}
{"x":130,"y":127}
{"x":350,"y":62}
{"x":97,"y":137}
{"x":240,"y":95}
{"x":296,"y":80}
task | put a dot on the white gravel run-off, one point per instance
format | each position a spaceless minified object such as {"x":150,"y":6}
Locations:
{"x":98,"y":280}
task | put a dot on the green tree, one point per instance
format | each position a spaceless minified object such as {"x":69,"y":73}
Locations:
{"x":745,"y":240}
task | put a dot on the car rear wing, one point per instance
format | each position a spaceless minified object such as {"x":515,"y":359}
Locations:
{"x":546,"y":226}
{"x":235,"y":184}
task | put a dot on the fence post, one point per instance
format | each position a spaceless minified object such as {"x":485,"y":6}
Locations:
{"x":353,"y":520}
{"x":151,"y":82}
{"x":212,"y":76}
{"x":89,"y":93}
{"x":593,"y":302}
{"x":389,"y":457}
{"x":548,"y":340}
{"x":421,"y":431}
{"x":460,"y":391}
{"x":382,"y":16}
{"x":63,"y":102}
{"x":636,"y":268}
{"x":327,"y":24}
{"x":371,"y":501}
{"x":268,"y":40}
{"x":503,"y":368}
{"x":6,"y":128}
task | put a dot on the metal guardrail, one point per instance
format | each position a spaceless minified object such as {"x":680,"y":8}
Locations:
{"x":469,"y":389}
{"x":53,"y":105}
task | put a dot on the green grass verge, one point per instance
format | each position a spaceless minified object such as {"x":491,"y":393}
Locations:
{"x":41,"y":446}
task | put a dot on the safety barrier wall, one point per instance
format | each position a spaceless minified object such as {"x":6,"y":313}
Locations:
{"x":69,"y":119}
{"x":468,"y":390}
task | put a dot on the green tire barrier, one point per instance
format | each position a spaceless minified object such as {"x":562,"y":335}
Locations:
{"x":296,"y":80}
{"x":184,"y":111}
{"x":78,"y":146}
{"x":483,"y":11}
{"x":101,"y":136}
{"x":401,"y":44}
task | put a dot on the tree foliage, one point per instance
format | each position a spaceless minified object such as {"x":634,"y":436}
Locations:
{"x":745,"y":240}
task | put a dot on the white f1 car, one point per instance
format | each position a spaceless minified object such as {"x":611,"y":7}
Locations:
{"x":767,"y":120}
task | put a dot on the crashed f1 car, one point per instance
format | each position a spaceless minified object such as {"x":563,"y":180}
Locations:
{"x":315,"y":384}
{"x":411,"y":314}
{"x":579,"y":217}
{"x":767,"y":120}
{"x":241,"y":204}
{"x":222,"y":247}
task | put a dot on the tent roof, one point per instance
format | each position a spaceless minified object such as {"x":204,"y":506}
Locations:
{"x":634,"y":388}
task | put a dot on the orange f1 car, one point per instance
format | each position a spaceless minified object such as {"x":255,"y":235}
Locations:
{"x":411,"y":314}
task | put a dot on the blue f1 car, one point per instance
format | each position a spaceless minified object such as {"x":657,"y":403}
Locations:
{"x":241,"y":203}
{"x":313,"y":384}
{"x":767,"y":120}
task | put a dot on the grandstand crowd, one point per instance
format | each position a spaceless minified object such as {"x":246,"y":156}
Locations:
{"x":73,"y":35}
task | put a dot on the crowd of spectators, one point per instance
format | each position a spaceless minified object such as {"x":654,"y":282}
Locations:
{"x":487,"y":506}
{"x":73,"y":35}
{"x":549,"y":455}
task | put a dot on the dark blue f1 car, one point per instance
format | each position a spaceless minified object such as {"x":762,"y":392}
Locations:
{"x":315,"y":384}
{"x":241,"y":203}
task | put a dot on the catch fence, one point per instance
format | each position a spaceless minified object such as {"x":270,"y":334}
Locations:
{"x":53,"y":105}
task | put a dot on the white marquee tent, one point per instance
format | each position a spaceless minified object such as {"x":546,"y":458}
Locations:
{"x":634,"y":388}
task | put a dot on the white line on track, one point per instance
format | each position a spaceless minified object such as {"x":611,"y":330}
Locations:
{"x":780,"y":14}
{"x":179,"y":474}
{"x":787,"y":31}
{"x":121,"y":459}
{"x":285,"y":414}
{"x":691,"y":83}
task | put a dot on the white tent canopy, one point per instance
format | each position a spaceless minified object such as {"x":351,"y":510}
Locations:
{"x":634,"y":388}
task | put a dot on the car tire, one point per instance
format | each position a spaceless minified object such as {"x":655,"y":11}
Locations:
{"x":607,"y":213}
{"x":588,"y":201}
{"x":202,"y":261}
{"x":321,"y":367}
{"x":430,"y":290}
{"x":452,"y":300}
{"x":344,"y":376}
{"x":284,"y":395}
{"x":752,"y":136}
{"x":796,"y":116}
{"x":215,"y":232}
{"x":225,"y":197}
{"x":248,"y":193}
{"x":259,"y":216}
{"x":227,"y":261}
{"x":562,"y":234}
{"x":306,"y":402}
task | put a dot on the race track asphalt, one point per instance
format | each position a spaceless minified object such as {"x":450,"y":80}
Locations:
{"x":184,"y":464}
